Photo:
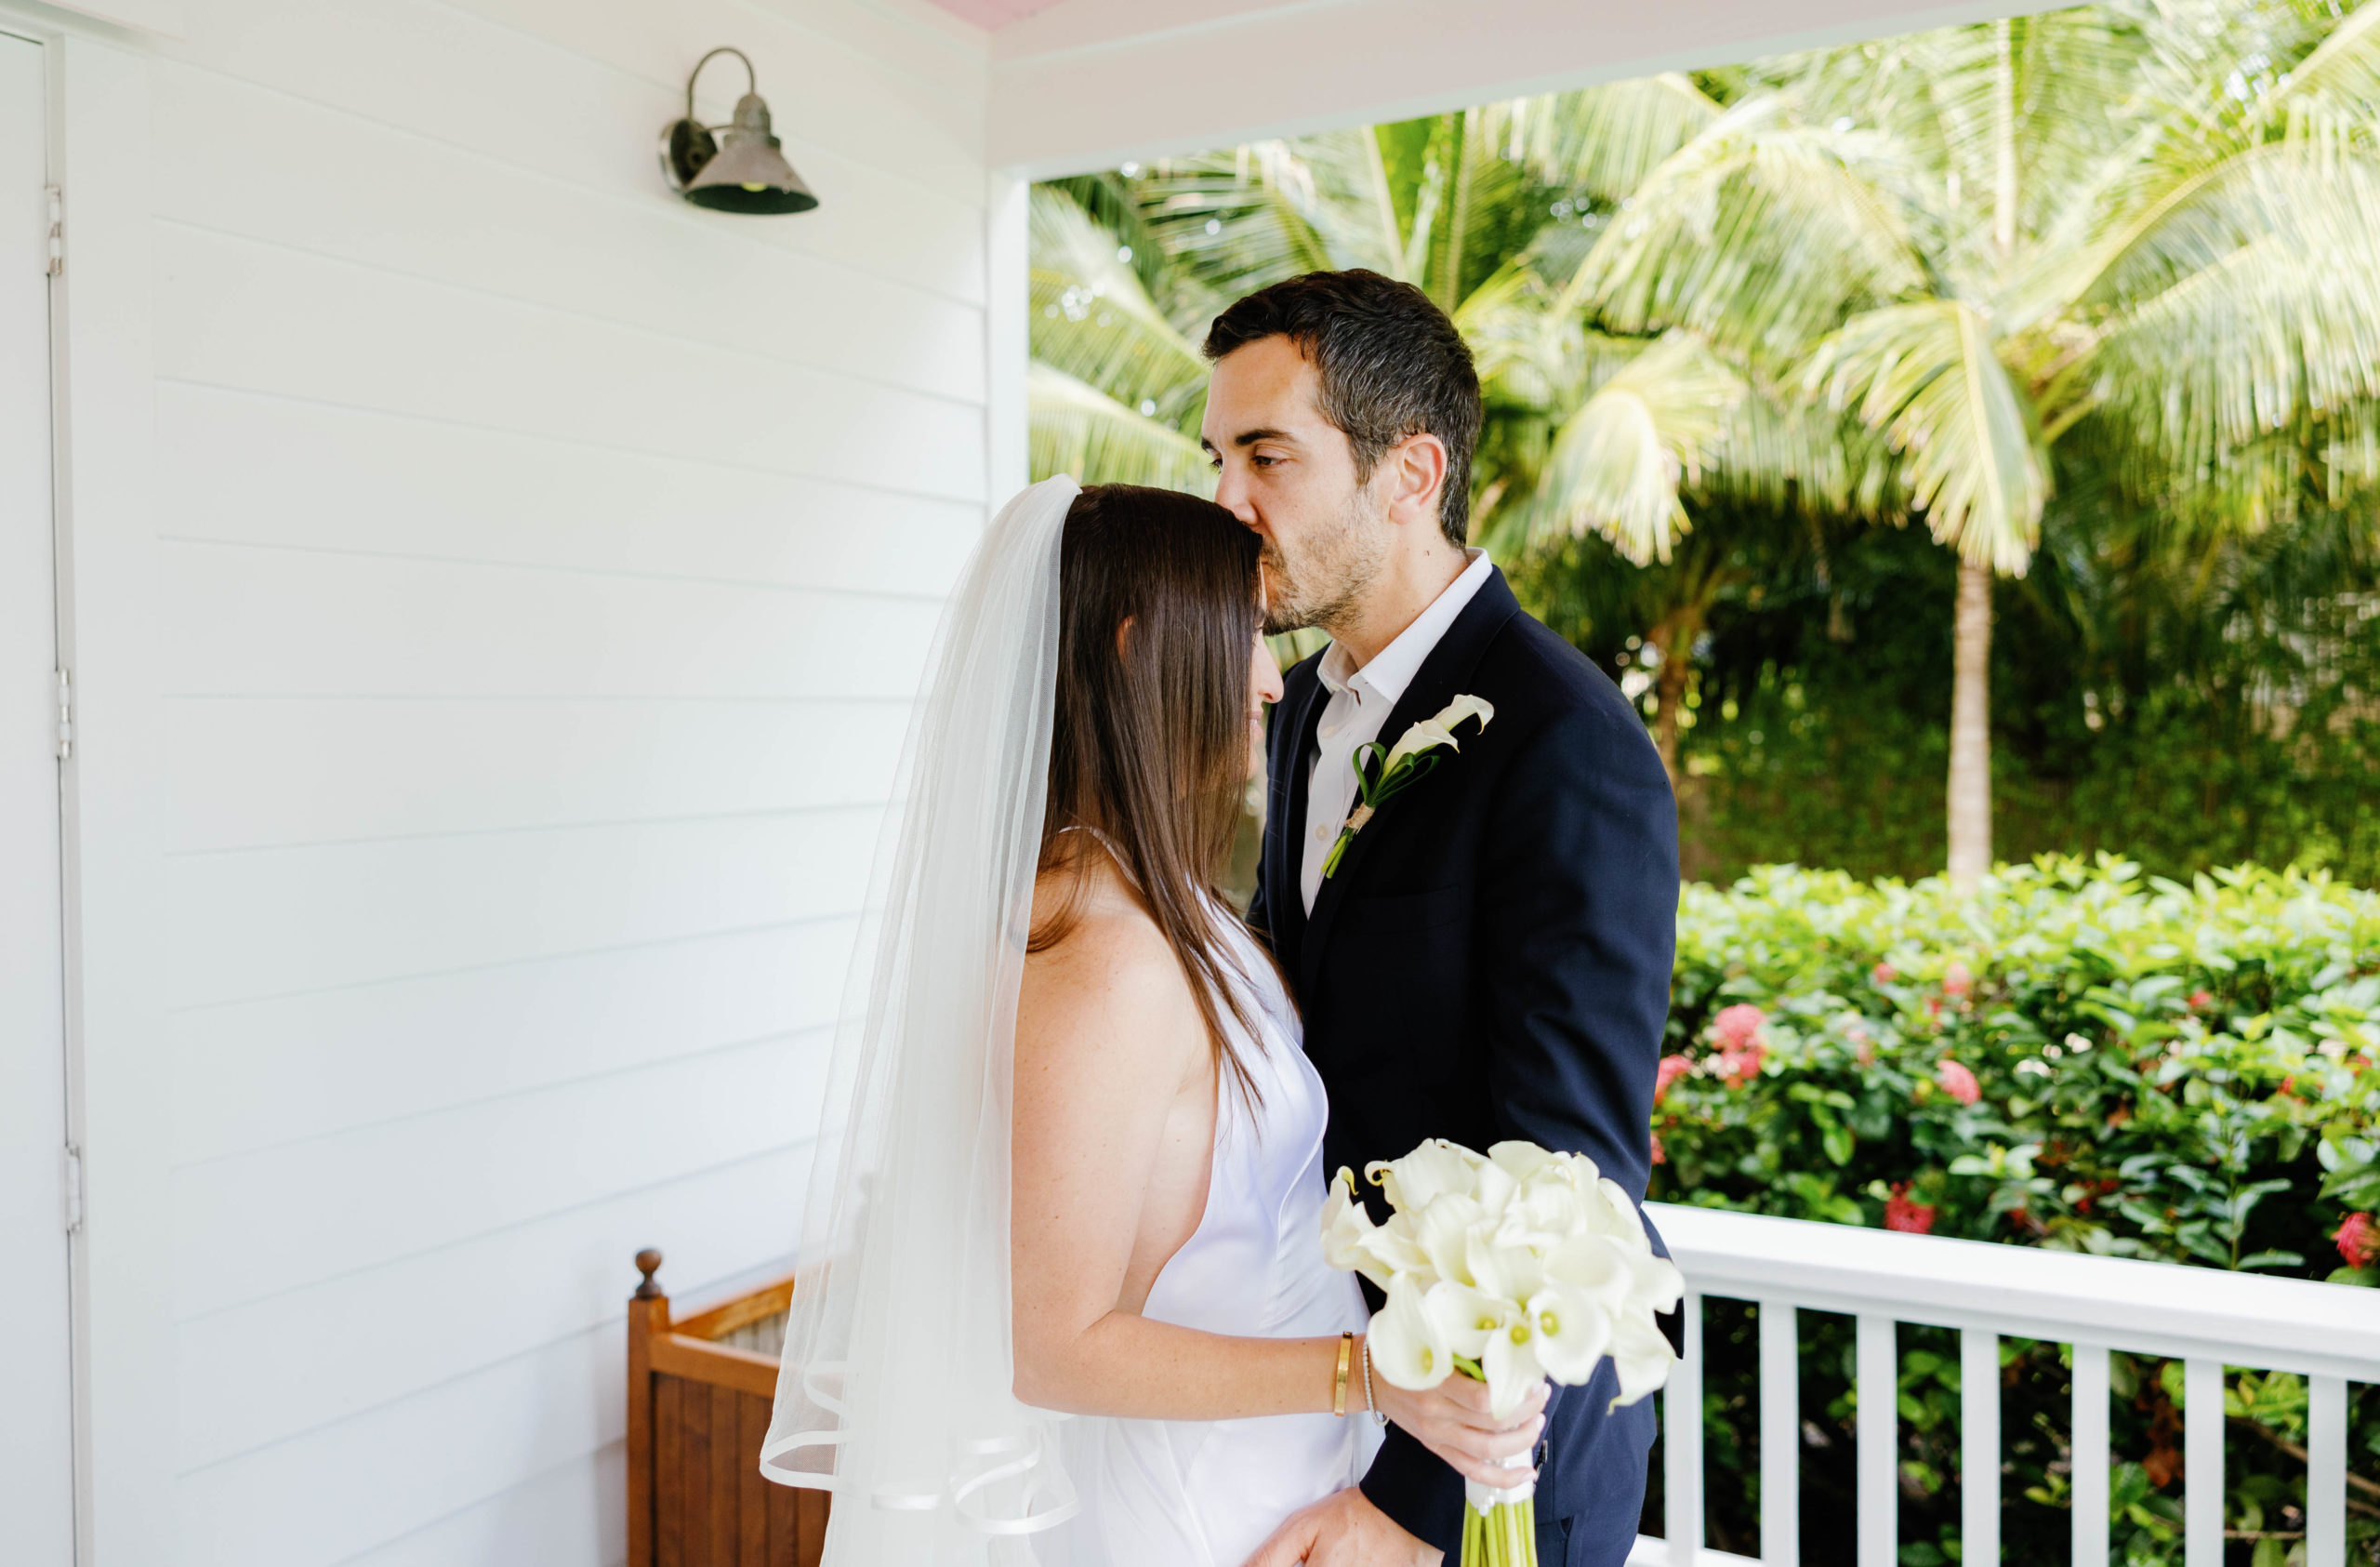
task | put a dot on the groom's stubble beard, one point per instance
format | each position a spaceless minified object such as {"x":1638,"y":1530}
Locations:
{"x":1327,"y":583}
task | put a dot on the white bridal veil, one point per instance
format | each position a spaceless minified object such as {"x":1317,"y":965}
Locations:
{"x":895,"y":1392}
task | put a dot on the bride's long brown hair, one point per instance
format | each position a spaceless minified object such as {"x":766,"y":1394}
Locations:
{"x":1157,"y":614}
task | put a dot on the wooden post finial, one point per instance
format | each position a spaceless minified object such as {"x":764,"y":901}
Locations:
{"x":648,"y":1262}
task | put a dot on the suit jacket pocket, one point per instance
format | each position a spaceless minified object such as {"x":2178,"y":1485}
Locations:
{"x":1404,"y":911}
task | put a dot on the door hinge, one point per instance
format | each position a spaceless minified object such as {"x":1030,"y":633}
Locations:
{"x":71,"y":1173}
{"x":65,"y":716}
{"x":57,"y":229}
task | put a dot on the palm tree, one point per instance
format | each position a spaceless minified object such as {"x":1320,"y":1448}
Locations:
{"x":2152,"y":232}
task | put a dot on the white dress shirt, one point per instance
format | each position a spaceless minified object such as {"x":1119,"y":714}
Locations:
{"x":1360,"y":703}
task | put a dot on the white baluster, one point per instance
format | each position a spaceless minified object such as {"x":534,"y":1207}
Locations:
{"x":1780,"y":1436}
{"x":1682,"y":1443}
{"x":2326,"y":1472}
{"x":2090,"y":1456}
{"x":1879,"y":1460}
{"x":1979,"y":1448}
{"x":2203,"y":1463}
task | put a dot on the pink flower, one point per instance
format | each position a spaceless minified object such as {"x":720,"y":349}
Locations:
{"x":1738,"y":1025}
{"x":1957,"y":1081}
{"x":1867,"y":1051}
{"x":1672,"y":1069}
{"x":2200,"y":1001}
{"x":1916,"y":1219}
{"x":1739,"y":1067}
{"x":1883,"y":974}
{"x":1661,"y":1155}
{"x":2358,"y":1240}
{"x":1956,"y":980}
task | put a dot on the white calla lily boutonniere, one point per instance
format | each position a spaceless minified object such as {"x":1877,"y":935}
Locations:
{"x":1385,"y":771}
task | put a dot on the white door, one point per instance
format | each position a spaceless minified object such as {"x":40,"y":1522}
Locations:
{"x":36,"y":1448}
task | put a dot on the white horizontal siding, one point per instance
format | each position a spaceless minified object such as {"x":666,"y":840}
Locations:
{"x":417,"y":1046}
{"x":258,"y":316}
{"x":511,"y":1284}
{"x":549,"y":568}
{"x":576,"y":1511}
{"x":284,"y":921}
{"x":553,"y":105}
{"x":288,"y":621}
{"x":424,"y":766}
{"x":344,"y":188}
{"x":264,"y":470}
{"x":571,"y":1513}
{"x":341,"y":1490}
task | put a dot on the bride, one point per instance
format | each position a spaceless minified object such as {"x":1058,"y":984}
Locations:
{"x":1066,"y":1300}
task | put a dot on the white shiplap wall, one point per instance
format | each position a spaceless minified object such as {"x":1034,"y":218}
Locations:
{"x":548,"y":567}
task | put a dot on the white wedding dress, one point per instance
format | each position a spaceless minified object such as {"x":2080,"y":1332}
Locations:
{"x":1184,"y":1494}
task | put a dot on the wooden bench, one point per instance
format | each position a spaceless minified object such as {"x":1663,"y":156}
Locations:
{"x":700,"y":1392}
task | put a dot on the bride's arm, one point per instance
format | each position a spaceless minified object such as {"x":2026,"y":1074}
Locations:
{"x":1106,"y":1035}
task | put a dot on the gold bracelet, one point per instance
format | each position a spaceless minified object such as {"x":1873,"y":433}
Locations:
{"x":1339,"y":1382}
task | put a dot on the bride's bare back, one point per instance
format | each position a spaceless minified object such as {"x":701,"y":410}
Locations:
{"x":1115,"y":1119}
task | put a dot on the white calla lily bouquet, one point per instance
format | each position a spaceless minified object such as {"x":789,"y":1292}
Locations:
{"x":1506,"y":1267}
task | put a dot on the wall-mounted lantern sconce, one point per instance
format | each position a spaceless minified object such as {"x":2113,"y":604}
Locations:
{"x":742,"y":172}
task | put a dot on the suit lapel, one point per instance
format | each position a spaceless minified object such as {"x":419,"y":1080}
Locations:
{"x":1284,"y":826}
{"x":1435,"y":683}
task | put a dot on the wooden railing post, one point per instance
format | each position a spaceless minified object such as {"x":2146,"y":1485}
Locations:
{"x":648,"y":1317}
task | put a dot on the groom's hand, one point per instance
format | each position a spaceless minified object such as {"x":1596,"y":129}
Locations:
{"x":1343,"y":1530}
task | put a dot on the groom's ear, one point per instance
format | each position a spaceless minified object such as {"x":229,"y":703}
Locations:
{"x":1416,"y":477}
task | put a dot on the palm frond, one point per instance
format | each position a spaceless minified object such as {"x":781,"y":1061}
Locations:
{"x":1093,"y":321}
{"x":1783,"y":450}
{"x":1604,"y":141}
{"x":2333,"y":93}
{"x":1254,"y":215}
{"x":2250,"y":308}
{"x":1761,"y":233}
{"x":1616,"y":463}
{"x":1928,"y":376}
{"x":1074,"y":428}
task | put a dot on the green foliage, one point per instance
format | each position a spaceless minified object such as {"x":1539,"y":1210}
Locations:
{"x":2189,"y":711}
{"x":2082,"y":1057}
{"x":2150,"y":1061}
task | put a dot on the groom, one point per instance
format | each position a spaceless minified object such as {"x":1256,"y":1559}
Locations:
{"x":1490,"y":957}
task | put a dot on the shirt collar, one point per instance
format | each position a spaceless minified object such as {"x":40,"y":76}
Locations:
{"x":1394,"y":668}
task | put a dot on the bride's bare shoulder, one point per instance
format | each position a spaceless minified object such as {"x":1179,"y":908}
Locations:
{"x":1109,"y":981}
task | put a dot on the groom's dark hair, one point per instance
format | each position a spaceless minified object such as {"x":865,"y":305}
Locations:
{"x":1390,"y":363}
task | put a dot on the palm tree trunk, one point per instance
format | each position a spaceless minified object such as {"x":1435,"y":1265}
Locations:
{"x":1674,"y":636}
{"x":1970,"y":728}
{"x":1970,"y":792}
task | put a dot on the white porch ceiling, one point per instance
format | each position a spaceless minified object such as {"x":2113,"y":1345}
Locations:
{"x":1079,"y":85}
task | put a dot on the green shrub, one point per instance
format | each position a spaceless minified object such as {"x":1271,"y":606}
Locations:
{"x":2079,"y":1057}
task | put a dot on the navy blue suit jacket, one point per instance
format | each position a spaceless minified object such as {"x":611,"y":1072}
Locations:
{"x":1492,"y":961}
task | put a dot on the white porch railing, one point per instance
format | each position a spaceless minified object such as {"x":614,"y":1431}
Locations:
{"x":2206,"y":1318}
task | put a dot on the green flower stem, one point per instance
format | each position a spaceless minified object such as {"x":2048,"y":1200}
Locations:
{"x":1377,"y":788}
{"x":1504,"y":1536}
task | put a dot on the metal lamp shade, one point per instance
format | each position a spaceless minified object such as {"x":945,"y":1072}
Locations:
{"x":750,"y":173}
